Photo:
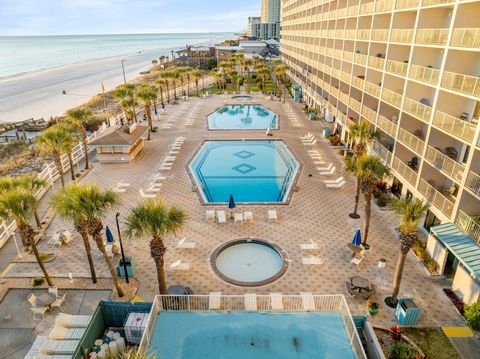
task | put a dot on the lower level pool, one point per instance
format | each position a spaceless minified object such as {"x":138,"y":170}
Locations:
{"x":242,"y":335}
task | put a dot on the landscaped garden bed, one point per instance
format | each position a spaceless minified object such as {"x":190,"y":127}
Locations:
{"x":395,"y":345}
{"x":433,"y":342}
{"x":420,"y":251}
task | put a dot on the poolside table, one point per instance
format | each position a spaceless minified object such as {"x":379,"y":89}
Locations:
{"x":360,"y":282}
{"x":45,"y":300}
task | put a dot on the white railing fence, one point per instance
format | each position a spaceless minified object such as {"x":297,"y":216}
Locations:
{"x":261,"y":303}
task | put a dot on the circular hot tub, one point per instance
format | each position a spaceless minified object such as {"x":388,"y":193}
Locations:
{"x":242,"y":97}
{"x":249,"y":262}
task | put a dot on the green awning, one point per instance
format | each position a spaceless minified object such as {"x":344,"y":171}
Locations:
{"x":464,"y":248}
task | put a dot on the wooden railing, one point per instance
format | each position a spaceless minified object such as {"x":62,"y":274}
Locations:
{"x":387,"y":125}
{"x":401,"y":35}
{"x":397,"y":67}
{"x":445,"y":163}
{"x":376,"y":62}
{"x":436,"y":198}
{"x":384,"y":5}
{"x":454,"y":125}
{"x":372,"y":88}
{"x":407,"y":4}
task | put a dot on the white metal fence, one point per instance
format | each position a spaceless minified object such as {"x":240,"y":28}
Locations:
{"x":261,"y":303}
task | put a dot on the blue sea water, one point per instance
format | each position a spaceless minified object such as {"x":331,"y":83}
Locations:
{"x":242,"y":117}
{"x":235,"y":335}
{"x":19,"y":54}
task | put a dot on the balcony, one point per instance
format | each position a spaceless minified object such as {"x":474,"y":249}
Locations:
{"x":380,"y":35}
{"x":344,"y":97}
{"x":376,"y":62}
{"x":455,"y":126}
{"x":411,"y":141}
{"x":372,"y":89}
{"x":369,"y":114}
{"x":407,"y":4}
{"x":436,"y":2}
{"x":358,"y":82}
{"x":361,"y":59}
{"x":404,"y":171}
{"x":469,"y":85}
{"x":432,"y":36}
{"x":384,"y":5}
{"x":466,"y":38}
{"x":353,"y":10}
{"x":363,"y":34}
{"x":387,"y":125}
{"x":392,"y":97}
{"x":340,"y":117}
{"x":347,"y":55}
{"x":417,"y":109}
{"x":468,"y":225}
{"x":397,"y":67}
{"x":424,"y":74}
{"x":401,"y":35}
{"x":436,"y":198}
{"x":354,"y":104}
{"x":345,"y":77}
{"x":367,"y":8}
{"x":382,"y":152}
{"x":473,"y":183}
{"x":445,"y":164}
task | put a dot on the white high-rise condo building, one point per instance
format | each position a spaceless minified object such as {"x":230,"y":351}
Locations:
{"x":411,"y":68}
{"x":270,"y":11}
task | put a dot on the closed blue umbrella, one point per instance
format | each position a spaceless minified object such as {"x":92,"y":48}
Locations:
{"x":357,"y":238}
{"x":109,"y":235}
{"x":231,"y":202}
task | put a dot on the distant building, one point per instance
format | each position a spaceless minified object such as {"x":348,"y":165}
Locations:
{"x":195,"y":55}
{"x":249,"y":48}
{"x":267,"y":26}
{"x":266,"y":31}
{"x":270,"y":11}
{"x":252,"y":22}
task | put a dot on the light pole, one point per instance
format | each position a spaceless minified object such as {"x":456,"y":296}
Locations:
{"x":121,"y":247}
{"x":124,"y":77}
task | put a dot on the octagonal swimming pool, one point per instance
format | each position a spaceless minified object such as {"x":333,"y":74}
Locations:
{"x":255,"y":171}
{"x":242,"y":117}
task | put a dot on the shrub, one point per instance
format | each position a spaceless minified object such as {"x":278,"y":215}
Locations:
{"x":431,"y":265}
{"x":43,"y":256}
{"x":472,"y":314}
{"x":457,"y":302}
{"x":396,"y":333}
{"x":371,"y":304}
{"x":382,"y":201}
{"x":37,"y":281}
{"x":334,"y":140}
{"x":376,"y":194}
{"x":401,"y":350}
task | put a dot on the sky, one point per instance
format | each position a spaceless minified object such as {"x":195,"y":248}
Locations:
{"x":78,"y":17}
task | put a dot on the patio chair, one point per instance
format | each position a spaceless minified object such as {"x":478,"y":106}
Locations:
{"x":335,"y":181}
{"x":312,"y":143}
{"x":335,"y":185}
{"x":308,"y":302}
{"x":331,"y":171}
{"x":276,"y":301}
{"x":146,"y":195}
{"x":54,"y":347}
{"x":39,"y":312}
{"x":73,"y":321}
{"x":221,"y":217}
{"x":180,"y":266}
{"x":214,"y":299}
{"x":60,"y":301}
{"x":248,"y":217}
{"x":329,"y":167}
{"x":61,"y":333}
{"x":272,"y":215}
{"x":183,"y":244}
{"x":350,"y":291}
{"x":210,"y":215}
{"x":250,"y":302}
{"x":238,"y":218}
{"x":357,"y":261}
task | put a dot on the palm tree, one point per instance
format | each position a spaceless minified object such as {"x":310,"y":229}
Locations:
{"x":68,"y":145}
{"x":214,"y":73}
{"x":174,"y":75}
{"x":281,"y":75}
{"x":264,"y":73}
{"x":29,"y":183}
{"x":54,"y":141}
{"x":185,"y":74}
{"x":93,"y":206}
{"x":68,"y":204}
{"x":410,"y":211}
{"x":223,"y":68}
{"x":126,"y":93}
{"x":19,"y":204}
{"x":196,"y":74}
{"x":363,"y":134}
{"x":81,"y":118}
{"x":156,"y":220}
{"x":161,"y":85}
{"x":248,"y":65}
{"x":165,"y":76}
{"x":232,"y":75}
{"x":370,"y":169}
{"x":148,"y":94}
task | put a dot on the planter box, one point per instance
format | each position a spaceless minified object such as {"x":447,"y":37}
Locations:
{"x":427,"y":272}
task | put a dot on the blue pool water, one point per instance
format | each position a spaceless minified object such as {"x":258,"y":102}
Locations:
{"x":242,"y":117}
{"x":252,"y":171}
{"x":247,"y":335}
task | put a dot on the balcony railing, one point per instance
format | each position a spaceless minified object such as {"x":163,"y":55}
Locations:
{"x":392,"y":97}
{"x":358,"y":82}
{"x":348,"y":55}
{"x":436,"y":2}
{"x":401,"y":35}
{"x":369,"y":114}
{"x":361,"y":59}
{"x":473,"y":183}
{"x":407,"y":4}
{"x":376,"y":62}
{"x":387,"y":125}
{"x":372,"y":89}
{"x":404,"y":171}
{"x":454,"y":125}
{"x":436,"y":198}
{"x":363,"y":34}
{"x":380,"y":35}
{"x":432,"y":36}
{"x":424,"y":73}
{"x":345,"y":77}
{"x":445,"y":163}
{"x":344,"y":97}
{"x":417,"y":109}
{"x":468,"y":225}
{"x":382,"y":151}
{"x":462,"y":83}
{"x":367,"y":8}
{"x":355,"y":104}
{"x":411,"y":141}
{"x":384,"y":5}
{"x":466,"y":37}
{"x":397,"y":67}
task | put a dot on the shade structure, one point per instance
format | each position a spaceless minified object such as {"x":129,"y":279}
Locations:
{"x":109,"y":235}
{"x":231,"y":202}
{"x":357,"y":238}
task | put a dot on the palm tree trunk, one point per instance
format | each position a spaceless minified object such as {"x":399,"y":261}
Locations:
{"x":196,"y":85}
{"x":162,"y":283}
{"x":38,"y":221}
{"x":148,"y":111}
{"x":83,"y":136}
{"x":88,"y":249}
{"x":248,"y":80}
{"x":397,"y":278}
{"x":26,"y":232}
{"x":58,"y":163}
{"x":70,"y":161}
{"x":358,"y":185}
{"x":368,"y":216}
{"x":168,"y":92}
{"x":161,"y":95}
{"x":175,"y":90}
{"x":99,"y":241}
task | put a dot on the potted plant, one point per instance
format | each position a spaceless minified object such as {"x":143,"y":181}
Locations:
{"x":372,"y":307}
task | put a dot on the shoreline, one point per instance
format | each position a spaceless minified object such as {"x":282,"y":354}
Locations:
{"x":39,"y":94}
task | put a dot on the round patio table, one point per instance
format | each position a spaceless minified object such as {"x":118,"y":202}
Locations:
{"x":360,"y":282}
{"x":45,"y":300}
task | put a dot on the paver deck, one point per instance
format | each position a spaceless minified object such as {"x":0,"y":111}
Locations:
{"x":314,"y":213}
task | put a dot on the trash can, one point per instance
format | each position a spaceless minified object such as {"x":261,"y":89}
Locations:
{"x":326,"y":132}
{"x":131,"y":265}
{"x":312,"y":116}
{"x":407,"y":312}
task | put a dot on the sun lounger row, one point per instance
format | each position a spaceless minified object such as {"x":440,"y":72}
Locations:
{"x":178,"y":114}
{"x":121,"y":187}
{"x":193,"y":115}
{"x":291,"y":116}
{"x":336,"y":183}
{"x":245,"y":217}
{"x":309,"y":139}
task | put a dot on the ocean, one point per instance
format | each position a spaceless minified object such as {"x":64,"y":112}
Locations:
{"x":21,"y":54}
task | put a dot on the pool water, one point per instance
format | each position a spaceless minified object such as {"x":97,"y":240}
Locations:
{"x":242,"y":335}
{"x":251,"y":171}
{"x":242,"y":117}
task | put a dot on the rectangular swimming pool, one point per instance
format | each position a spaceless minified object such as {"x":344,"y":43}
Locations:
{"x":247,"y":335}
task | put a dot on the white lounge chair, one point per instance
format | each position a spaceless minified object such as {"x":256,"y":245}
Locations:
{"x":250,"y":301}
{"x":119,"y":189}
{"x":357,"y":261}
{"x":307,"y":136}
{"x":180,"y":266}
{"x":155,"y":187}
{"x":248,"y":217}
{"x":58,"y":346}
{"x":313,"y":261}
{"x":183,"y":244}
{"x":58,"y":333}
{"x":221,"y":217}
{"x":214,"y":299}
{"x":309,"y":246}
{"x":34,"y":351}
{"x":328,"y":168}
{"x":335,"y":185}
{"x":158,"y":177}
{"x":169,"y":159}
{"x":73,"y":321}
{"x":165,"y":166}
{"x":329,"y":172}
{"x":312,"y":143}
{"x":238,"y":218}
{"x":335,"y":181}
{"x":56,"y":240}
{"x":308,"y":302}
{"x":210,"y":215}
{"x":272,"y":215}
{"x":276,"y":301}
{"x":147,"y":195}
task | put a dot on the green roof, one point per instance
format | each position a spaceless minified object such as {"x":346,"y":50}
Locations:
{"x":464,"y":248}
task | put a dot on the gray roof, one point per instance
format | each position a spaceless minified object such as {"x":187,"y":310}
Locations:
{"x":120,"y":137}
